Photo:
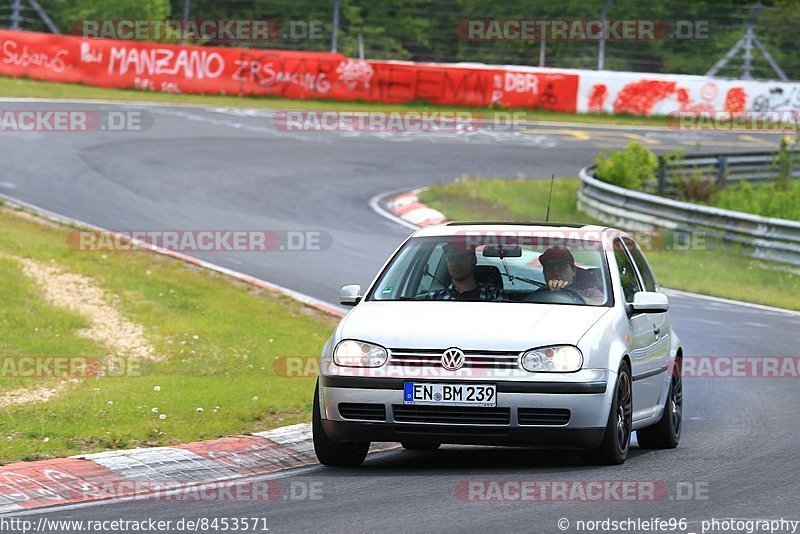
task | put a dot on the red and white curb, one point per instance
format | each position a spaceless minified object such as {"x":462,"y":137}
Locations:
{"x":204,"y":470}
{"x":407,"y":206}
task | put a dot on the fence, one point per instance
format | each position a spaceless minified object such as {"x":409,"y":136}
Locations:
{"x":764,"y":237}
{"x":431,"y":31}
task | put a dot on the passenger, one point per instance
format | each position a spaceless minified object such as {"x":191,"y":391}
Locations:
{"x":461,"y":260}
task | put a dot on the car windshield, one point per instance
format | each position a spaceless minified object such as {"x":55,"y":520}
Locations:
{"x":529,"y":269}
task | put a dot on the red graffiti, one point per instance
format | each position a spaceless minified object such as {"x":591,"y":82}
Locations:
{"x":597,"y":98}
{"x":639,"y":98}
{"x":735,"y":100}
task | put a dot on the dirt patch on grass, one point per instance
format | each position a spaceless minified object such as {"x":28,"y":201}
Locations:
{"x":79,"y":294}
{"x":34,"y":394}
{"x":107,"y":325}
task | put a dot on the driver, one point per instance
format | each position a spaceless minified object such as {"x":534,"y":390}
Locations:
{"x":560,"y":273}
{"x":461,"y":261}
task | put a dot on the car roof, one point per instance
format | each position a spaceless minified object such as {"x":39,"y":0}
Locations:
{"x":577,"y":231}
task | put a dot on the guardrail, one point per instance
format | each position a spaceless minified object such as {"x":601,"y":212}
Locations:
{"x":724,"y":169}
{"x":765,"y":237}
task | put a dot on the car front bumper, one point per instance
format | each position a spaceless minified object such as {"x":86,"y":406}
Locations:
{"x":570,"y":413}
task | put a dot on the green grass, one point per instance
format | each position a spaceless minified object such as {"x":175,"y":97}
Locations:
{"x":722,"y":273}
{"x":17,"y":87}
{"x":768,"y":200}
{"x":219,"y":340}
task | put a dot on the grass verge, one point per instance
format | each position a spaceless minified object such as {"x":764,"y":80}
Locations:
{"x":721,"y":273}
{"x":218,"y":340}
{"x":768,"y":200}
{"x":25,"y":88}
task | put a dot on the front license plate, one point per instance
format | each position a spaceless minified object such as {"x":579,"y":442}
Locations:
{"x":450,"y":394}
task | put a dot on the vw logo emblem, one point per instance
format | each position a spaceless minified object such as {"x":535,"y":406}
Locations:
{"x":453,"y":359}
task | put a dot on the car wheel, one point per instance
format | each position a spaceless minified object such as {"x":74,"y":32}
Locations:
{"x":613,"y":450}
{"x":334,"y":453}
{"x":667,"y":432}
{"x":420,"y":446}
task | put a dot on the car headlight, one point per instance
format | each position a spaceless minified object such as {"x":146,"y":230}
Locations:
{"x":556,"y":359}
{"x":352,"y":353}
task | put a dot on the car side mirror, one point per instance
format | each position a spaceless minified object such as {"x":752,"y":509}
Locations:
{"x":350,"y":295}
{"x":650,"y":302}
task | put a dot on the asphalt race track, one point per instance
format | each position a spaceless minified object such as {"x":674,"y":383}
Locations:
{"x":214,"y":168}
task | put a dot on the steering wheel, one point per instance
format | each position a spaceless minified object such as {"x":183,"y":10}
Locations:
{"x":564,"y":296}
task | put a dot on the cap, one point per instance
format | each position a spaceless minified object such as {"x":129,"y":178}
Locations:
{"x":557,"y":253}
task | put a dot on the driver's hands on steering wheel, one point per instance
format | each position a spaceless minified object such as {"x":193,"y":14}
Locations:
{"x":557,"y":285}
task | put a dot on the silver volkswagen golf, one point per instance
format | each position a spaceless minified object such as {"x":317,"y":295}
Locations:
{"x":546,"y":336}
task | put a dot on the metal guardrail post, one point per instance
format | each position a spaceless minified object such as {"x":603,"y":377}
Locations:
{"x":722,"y":171}
{"x":335,"y":30}
{"x":16,"y":7}
{"x":662,"y":175}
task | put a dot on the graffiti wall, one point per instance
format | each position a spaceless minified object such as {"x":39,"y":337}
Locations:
{"x":302,"y":75}
{"x":204,"y":70}
{"x":654,"y":94}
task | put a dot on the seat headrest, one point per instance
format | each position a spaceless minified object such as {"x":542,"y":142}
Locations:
{"x":488,"y":274}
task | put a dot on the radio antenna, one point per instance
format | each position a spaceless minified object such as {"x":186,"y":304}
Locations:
{"x":549,"y":198}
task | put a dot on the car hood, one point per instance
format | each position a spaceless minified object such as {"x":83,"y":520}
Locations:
{"x":468,"y":325}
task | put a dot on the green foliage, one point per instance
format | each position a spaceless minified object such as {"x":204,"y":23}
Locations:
{"x":783,"y":162}
{"x":630,"y":168}
{"x":68,"y":13}
{"x":770,"y":200}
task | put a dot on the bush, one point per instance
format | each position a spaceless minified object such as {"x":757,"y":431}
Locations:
{"x":695,"y":188}
{"x":630,"y":168}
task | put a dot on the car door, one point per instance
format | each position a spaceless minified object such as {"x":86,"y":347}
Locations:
{"x":660,"y":321}
{"x":643,"y":343}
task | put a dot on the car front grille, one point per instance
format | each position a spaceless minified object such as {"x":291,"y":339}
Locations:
{"x":362,"y":411}
{"x":472,"y":358}
{"x":542,"y":416}
{"x":459,"y":415}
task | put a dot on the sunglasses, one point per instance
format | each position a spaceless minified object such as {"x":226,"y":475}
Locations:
{"x":557,"y":265}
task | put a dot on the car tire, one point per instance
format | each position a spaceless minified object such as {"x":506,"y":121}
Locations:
{"x":420,"y":446}
{"x":334,"y":453}
{"x":666,"y":434}
{"x":616,"y":443}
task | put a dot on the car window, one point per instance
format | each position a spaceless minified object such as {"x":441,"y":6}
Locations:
{"x":434,"y":275}
{"x":420,"y":271}
{"x":648,"y":278}
{"x":627,"y":275}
